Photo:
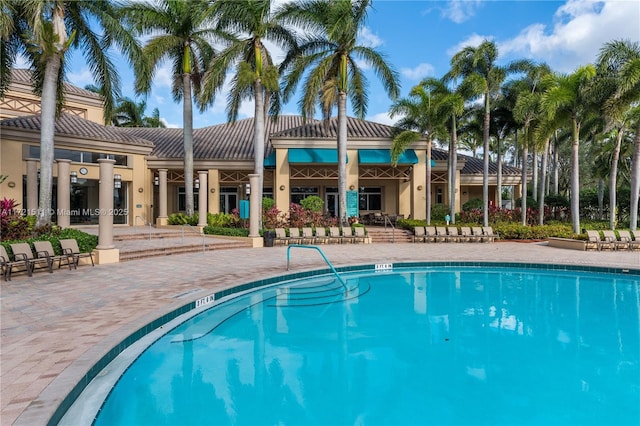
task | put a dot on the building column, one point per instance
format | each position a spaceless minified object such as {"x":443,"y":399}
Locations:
{"x":64,"y":196}
{"x":203,"y":196}
{"x":162,"y":195}
{"x":106,"y":251}
{"x":32,"y":186}
{"x":254,"y":210}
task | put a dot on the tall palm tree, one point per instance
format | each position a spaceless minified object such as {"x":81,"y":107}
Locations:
{"x":332,"y":56}
{"x":564,"y":101}
{"x":620,"y":60}
{"x":44,"y":31}
{"x":251,"y":22}
{"x":421,"y":117}
{"x":129,"y":113}
{"x":181,"y":32}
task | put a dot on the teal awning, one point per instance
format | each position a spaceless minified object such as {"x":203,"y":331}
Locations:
{"x":270,"y":160}
{"x":313,"y":155}
{"x":383,"y":156}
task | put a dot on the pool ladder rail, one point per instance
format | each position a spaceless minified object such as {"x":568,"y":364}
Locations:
{"x":304,"y":246}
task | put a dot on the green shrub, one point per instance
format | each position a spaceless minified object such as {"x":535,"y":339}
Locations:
{"x":439,"y":211}
{"x":409,"y":224}
{"x":516,"y":231}
{"x":312,"y":203}
{"x":86,"y":242}
{"x":231,"y":232}
{"x":472,"y":204}
{"x":182,"y":219}
{"x":267,"y":204}
{"x":222,"y":220}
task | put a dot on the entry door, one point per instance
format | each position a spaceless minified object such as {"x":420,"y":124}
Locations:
{"x":331,"y":201}
{"x":228,"y":202}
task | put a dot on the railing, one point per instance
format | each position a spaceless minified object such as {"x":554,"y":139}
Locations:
{"x":323,"y":256}
{"x":393,"y":232}
{"x":204,"y":246}
{"x":144,"y":222}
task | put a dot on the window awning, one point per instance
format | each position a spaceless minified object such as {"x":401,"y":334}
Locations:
{"x":383,"y":156}
{"x":313,"y":155}
{"x":270,"y":160}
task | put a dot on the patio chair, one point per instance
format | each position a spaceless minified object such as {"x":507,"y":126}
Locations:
{"x":610,"y":235}
{"x":70,"y":247}
{"x":467,"y":236}
{"x":347,"y":235}
{"x":453,"y":235}
{"x":22,"y":252}
{"x":631,"y":243}
{"x":359,"y":234}
{"x":634,"y":244}
{"x":281,"y":237}
{"x":334,"y":234}
{"x":478,"y":234}
{"x":294,"y":236}
{"x":307,"y":235}
{"x":487,"y":232}
{"x":321,"y":235}
{"x":600,"y":244}
{"x":429,"y":234}
{"x":441,"y":234}
{"x":418,"y":234}
{"x":7,"y":265}
{"x":44,"y":250}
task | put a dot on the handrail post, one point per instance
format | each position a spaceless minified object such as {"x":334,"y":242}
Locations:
{"x":323,"y":256}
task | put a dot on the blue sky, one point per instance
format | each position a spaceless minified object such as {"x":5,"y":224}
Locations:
{"x":420,"y":37}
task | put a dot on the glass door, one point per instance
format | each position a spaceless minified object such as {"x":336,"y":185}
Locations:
{"x":331,"y":201}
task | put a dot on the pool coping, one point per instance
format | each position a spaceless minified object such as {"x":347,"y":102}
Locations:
{"x":208,"y":300}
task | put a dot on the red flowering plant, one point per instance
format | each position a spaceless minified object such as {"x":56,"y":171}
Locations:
{"x":12,"y":225}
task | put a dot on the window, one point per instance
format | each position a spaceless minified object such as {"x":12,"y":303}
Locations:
{"x":80,"y":156}
{"x":370,"y":198}
{"x":300,"y":193}
{"x":182,"y":199}
{"x":439,"y":196}
{"x":228,"y":199}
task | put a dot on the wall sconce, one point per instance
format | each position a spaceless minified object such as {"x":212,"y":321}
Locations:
{"x":38,"y":174}
{"x":419,"y":187}
{"x":141,"y":190}
{"x":196,"y":184}
{"x":74,"y":177}
{"x":213,"y":190}
{"x":352,"y":187}
{"x":156,"y":180}
{"x":117,"y":181}
{"x":247,"y":189}
{"x":282,"y":187}
{"x":11,"y":184}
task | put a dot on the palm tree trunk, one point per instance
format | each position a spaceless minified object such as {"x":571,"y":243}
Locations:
{"x":635,"y":182}
{"x":575,"y":177}
{"x":428,"y":185}
{"x":556,"y":169}
{"x":543,"y":180}
{"x":47,"y":134}
{"x":499,"y":183}
{"x":534,"y":169}
{"x":525,"y":164}
{"x":258,"y":139}
{"x":454,"y":166}
{"x":187,"y":135}
{"x":342,"y":157}
{"x":485,"y":171}
{"x":613,"y":184}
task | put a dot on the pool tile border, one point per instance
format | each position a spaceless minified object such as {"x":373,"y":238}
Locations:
{"x":69,"y":399}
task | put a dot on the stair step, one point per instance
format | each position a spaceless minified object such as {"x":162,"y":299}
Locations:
{"x":184,"y":249}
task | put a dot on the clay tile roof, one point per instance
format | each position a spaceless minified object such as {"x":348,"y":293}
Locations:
{"x":71,"y":125}
{"x":356,"y":129}
{"x":24,"y":76}
{"x":228,"y":141}
{"x":474,"y":166}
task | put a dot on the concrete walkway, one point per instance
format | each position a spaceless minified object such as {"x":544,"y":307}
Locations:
{"x":56,"y":326}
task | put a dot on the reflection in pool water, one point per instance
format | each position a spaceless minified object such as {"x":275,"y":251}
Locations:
{"x":421,"y":346}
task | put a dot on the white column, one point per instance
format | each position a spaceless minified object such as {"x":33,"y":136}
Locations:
{"x":105,"y":213}
{"x":162,"y":193}
{"x":32,"y":185}
{"x":64,"y":196}
{"x":203,"y":196}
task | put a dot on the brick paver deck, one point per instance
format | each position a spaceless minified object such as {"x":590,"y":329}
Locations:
{"x":56,"y":326}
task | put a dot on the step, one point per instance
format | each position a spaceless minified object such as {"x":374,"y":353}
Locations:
{"x":126,"y":255}
{"x":388,"y":235}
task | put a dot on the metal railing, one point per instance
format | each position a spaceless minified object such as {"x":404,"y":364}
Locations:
{"x":393,"y":228}
{"x":204,"y":246}
{"x":144,"y":222}
{"x":323,"y":256}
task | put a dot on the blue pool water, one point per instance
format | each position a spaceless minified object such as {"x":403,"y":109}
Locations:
{"x":412,"y":346}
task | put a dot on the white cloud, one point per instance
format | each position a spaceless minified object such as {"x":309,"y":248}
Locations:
{"x":382,"y":118}
{"x":419,"y":72}
{"x":81,"y":78}
{"x":163,"y":75}
{"x":580,"y":29}
{"x":170,"y":125}
{"x":369,"y":39}
{"x":474,"y":40}
{"x":461,"y":10}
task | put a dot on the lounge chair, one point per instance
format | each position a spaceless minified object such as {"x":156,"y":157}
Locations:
{"x":467,"y":236}
{"x":7,"y":265}
{"x":347,"y":235}
{"x":453,"y":235}
{"x":610,"y":235}
{"x":441,"y":234}
{"x":634,"y":244}
{"x":478,"y":234}
{"x":281,"y":237}
{"x":334,"y":234}
{"x":488,"y":234}
{"x":44,"y":250}
{"x":321,"y":235}
{"x":22,"y":252}
{"x":418,"y":234}
{"x":294,"y":236}
{"x":70,"y":247}
{"x":307,"y":236}
{"x":429,"y":234}
{"x":600,"y":244}
{"x":631,"y":243}
{"x":359,"y":234}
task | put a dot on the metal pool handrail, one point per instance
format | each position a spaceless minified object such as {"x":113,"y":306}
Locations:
{"x":321,"y":254}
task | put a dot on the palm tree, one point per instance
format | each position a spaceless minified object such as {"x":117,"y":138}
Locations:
{"x":565,"y":101}
{"x":420,"y":118}
{"x":129,"y":113}
{"x":332,"y":58}
{"x":620,"y":60}
{"x":44,"y":31}
{"x":252,"y":22}
{"x":180,"y":32}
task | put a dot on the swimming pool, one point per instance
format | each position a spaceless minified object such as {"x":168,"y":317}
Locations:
{"x":429,"y":345}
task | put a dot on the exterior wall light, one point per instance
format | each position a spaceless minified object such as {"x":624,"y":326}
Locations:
{"x":352,"y":187}
{"x":419,"y":187}
{"x":156,"y":180}
{"x":141,"y":189}
{"x":282,"y":187}
{"x":196,"y":184}
{"x":117,"y":181}
{"x":247,"y":189}
{"x":213,"y":190}
{"x":73,"y":177}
